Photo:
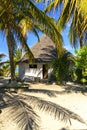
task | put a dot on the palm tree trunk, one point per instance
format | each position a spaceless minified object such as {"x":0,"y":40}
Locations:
{"x":12,"y":69}
{"x":11,"y":55}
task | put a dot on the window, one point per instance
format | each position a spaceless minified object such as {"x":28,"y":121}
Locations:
{"x":33,"y":66}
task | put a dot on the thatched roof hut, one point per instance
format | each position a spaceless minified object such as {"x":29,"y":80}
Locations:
{"x":44,"y":51}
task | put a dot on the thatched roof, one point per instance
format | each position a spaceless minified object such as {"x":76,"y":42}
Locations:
{"x":43,"y":51}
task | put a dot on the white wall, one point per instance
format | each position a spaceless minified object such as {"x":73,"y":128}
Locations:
{"x":24,"y":70}
{"x":22,"y":67}
{"x":35,"y":72}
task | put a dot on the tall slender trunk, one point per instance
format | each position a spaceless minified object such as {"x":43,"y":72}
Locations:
{"x":11,"y":55}
{"x":12,"y":68}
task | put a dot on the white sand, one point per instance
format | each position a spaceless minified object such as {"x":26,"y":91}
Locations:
{"x":76,"y":102}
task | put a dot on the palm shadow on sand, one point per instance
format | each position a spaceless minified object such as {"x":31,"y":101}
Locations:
{"x":21,"y":107}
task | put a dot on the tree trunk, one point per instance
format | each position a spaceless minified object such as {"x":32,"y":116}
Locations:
{"x":12,"y":68}
{"x":11,"y":55}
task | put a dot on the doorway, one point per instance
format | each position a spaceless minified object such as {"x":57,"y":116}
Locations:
{"x":45,"y":72}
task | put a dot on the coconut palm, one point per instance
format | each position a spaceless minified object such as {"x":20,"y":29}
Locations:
{"x":76,"y":11}
{"x":20,"y":109}
{"x":16,"y":18}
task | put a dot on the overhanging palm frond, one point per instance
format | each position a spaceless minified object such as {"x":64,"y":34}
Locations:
{"x":47,"y":25}
{"x":77,"y":32}
{"x":51,"y":4}
{"x":22,"y":39}
{"x":49,"y":7}
{"x":25,"y":25}
{"x":84,"y":26}
{"x":72,"y":9}
{"x":66,"y":14}
{"x":73,"y":35}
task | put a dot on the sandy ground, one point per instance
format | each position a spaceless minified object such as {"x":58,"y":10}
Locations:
{"x":66,"y":96}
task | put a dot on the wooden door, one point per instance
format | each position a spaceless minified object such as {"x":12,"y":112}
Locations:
{"x":45,"y":72}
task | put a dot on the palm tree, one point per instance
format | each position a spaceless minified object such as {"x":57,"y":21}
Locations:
{"x":20,"y":109}
{"x":16,"y":18}
{"x":75,"y":33}
{"x":61,"y":66}
{"x":76,"y":11}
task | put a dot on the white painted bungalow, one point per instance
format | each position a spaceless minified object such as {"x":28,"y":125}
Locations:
{"x":44,"y":52}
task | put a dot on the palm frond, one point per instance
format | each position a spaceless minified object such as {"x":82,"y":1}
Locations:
{"x":73,"y":35}
{"x":53,"y":4}
{"x":47,"y":25}
{"x":49,"y":7}
{"x":25,"y":25}
{"x":66,"y":13}
{"x":22,"y":39}
{"x":84,"y":25}
{"x":35,"y":31}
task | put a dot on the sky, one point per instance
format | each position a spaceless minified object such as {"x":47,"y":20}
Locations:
{"x":31,"y":40}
